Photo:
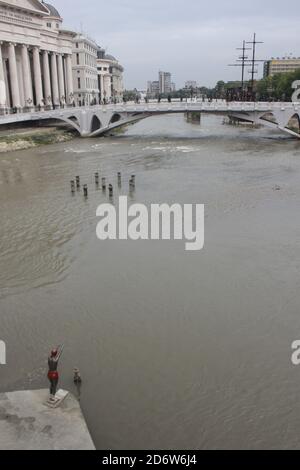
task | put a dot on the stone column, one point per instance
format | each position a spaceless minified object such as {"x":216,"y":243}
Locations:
{"x":102,"y":87}
{"x":70,"y":86}
{"x":2,"y":82}
{"x":47,"y":82}
{"x":28,"y":95}
{"x":61,"y":82}
{"x":107,"y":87}
{"x":37,"y":77}
{"x":14,"y":76}
{"x":54,"y":79}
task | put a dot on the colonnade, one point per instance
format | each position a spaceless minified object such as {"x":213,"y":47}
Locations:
{"x":46,"y":77}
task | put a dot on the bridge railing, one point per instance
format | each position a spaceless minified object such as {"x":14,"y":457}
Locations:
{"x":152,"y":107}
{"x":199,"y":106}
{"x":34,"y":109}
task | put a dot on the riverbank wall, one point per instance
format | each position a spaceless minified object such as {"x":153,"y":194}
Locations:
{"x":25,"y":138}
{"x":27,"y":423}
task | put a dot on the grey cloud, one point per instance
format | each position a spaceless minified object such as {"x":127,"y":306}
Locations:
{"x":192,"y":39}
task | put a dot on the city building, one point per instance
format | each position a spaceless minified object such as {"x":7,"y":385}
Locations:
{"x":165,"y":82}
{"x":110,"y":77}
{"x":191,"y":84}
{"x":85,"y":77}
{"x":35,"y":56}
{"x":281,"y":65}
{"x":117,"y":86}
{"x":163,"y":85}
{"x":153,"y":89}
{"x":43,"y":65}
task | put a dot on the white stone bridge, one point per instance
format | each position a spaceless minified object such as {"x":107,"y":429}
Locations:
{"x":97,"y":120}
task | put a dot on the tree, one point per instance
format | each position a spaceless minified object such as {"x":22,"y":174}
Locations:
{"x":278,"y":87}
{"x":130,"y":95}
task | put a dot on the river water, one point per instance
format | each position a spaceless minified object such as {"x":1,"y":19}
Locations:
{"x":176,"y":349}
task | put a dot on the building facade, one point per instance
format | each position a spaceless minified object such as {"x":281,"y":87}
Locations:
{"x":162,"y":86}
{"x":117,"y":80}
{"x":165,"y":82}
{"x":153,"y":89}
{"x":110,"y":78}
{"x":35,"y":56}
{"x":85,"y":77}
{"x":43,"y":65}
{"x":276,"y":66}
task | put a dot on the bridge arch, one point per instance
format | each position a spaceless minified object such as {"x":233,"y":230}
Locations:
{"x":269,"y":117}
{"x":294,"y":123}
{"x":75,"y":120}
{"x":116,"y":117}
{"x":95,"y":124}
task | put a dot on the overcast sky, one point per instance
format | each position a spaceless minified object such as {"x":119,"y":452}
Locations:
{"x":192,"y":39}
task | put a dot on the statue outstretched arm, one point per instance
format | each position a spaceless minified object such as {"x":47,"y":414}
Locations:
{"x":59,"y":351}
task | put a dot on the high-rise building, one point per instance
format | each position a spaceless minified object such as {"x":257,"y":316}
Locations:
{"x":163,"y":85}
{"x":153,"y":88}
{"x":165,"y":82}
{"x":281,"y":65}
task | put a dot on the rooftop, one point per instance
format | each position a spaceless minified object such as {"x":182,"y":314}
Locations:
{"x":52,"y":10}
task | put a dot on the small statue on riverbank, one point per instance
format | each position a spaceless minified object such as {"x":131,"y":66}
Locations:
{"x":77,"y":376}
{"x":77,"y":382}
{"x":53,"y":373}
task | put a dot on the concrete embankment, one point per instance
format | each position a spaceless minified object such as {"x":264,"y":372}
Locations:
{"x":25,"y":138}
{"x":26,"y":423}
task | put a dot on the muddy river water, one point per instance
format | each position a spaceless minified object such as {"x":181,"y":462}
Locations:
{"x":176,"y":349}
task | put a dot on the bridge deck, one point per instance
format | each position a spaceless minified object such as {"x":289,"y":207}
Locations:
{"x":95,"y":120}
{"x":206,"y":107}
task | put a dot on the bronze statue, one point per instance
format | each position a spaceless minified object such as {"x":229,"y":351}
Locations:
{"x":53,"y":373}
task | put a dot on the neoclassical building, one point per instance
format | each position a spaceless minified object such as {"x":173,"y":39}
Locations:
{"x":110,"y":77}
{"x":85,"y":77}
{"x":43,"y":65}
{"x":35,"y":56}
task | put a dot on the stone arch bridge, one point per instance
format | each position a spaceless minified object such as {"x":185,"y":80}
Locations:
{"x":98,"y":120}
